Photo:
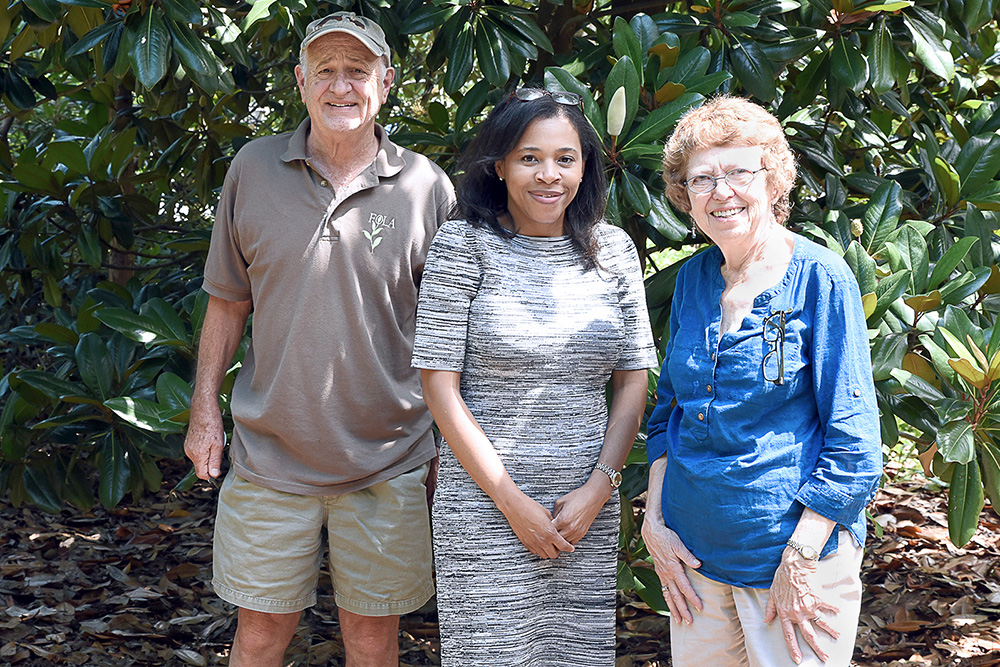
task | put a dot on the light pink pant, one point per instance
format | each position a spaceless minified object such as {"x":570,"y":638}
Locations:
{"x":730,"y":631}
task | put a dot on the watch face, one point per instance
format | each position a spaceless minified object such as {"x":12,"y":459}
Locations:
{"x":616,"y":480}
{"x":808,"y":553}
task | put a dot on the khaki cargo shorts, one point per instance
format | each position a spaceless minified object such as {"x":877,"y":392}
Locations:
{"x":269,"y":545}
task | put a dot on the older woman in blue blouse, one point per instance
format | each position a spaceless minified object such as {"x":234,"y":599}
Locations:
{"x":764,"y":443}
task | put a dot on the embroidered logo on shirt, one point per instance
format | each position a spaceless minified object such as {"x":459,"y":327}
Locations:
{"x":379,"y":223}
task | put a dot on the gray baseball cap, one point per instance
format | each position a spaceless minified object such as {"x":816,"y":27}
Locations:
{"x":364,"y":29}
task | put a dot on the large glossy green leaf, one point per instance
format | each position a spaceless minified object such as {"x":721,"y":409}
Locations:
{"x":912,"y":249}
{"x":950,"y":261}
{"x":955,"y":441}
{"x":849,"y":65}
{"x":47,"y":10}
{"x":167,"y":316}
{"x":646,"y":30}
{"x":77,"y":489}
{"x":965,"y":502}
{"x":172,"y":391}
{"x":92,"y":38}
{"x":115,"y":471}
{"x":989,"y":461}
{"x":863,"y":267}
{"x":929,"y":48}
{"x":40,"y":489}
{"x":261,"y":10}
{"x":427,"y":17}
{"x":888,"y":426}
{"x":664,"y":220}
{"x":472,"y":103}
{"x":752,"y":68}
{"x":881,"y":216}
{"x":978,"y":163}
{"x":917,"y":386}
{"x":95,"y":365}
{"x":523,"y":21}
{"x":888,"y":290}
{"x":626,"y":43}
{"x":880,"y":59}
{"x":56,"y":333}
{"x":460,"y":59}
{"x":145,"y":414}
{"x":151,"y":326}
{"x":193,"y":54}
{"x":887,"y":355}
{"x":51,"y":386}
{"x":183,"y":11}
{"x":961,"y":288}
{"x":492,"y":53}
{"x":636,"y":193}
{"x":976,"y":224}
{"x":647,"y":586}
{"x":658,"y":124}
{"x":947,"y":179}
{"x":151,"y":50}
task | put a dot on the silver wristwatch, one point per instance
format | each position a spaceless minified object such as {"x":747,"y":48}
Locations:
{"x":616,"y":477}
{"x":804,"y":550}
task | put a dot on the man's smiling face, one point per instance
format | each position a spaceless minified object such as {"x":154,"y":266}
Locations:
{"x":342,"y":84}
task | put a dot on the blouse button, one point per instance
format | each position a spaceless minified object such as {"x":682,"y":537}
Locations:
{"x":324,"y":183}
{"x":857,"y":392}
{"x":713,"y":356}
{"x":701,"y":416}
{"x":709,"y":387}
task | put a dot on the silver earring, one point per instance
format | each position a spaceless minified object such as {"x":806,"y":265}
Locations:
{"x":694,"y":232}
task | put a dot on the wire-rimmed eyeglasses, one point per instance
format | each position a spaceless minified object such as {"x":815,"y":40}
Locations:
{"x":560,"y":96}
{"x":735,"y":178}
{"x":774,"y":335}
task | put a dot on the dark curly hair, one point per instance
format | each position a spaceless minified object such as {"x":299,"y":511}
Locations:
{"x":482,"y":196}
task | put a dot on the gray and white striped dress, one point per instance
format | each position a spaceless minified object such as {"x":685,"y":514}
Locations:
{"x":536,"y":337}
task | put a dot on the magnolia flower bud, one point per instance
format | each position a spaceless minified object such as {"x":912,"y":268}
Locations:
{"x":857,"y":228}
{"x":616,"y":112}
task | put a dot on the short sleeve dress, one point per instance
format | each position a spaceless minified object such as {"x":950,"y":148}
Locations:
{"x":536,"y":336}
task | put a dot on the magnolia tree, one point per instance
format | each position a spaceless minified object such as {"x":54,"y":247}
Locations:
{"x":119,"y":120}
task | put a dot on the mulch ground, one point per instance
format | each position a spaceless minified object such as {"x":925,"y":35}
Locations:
{"x":131,"y":587}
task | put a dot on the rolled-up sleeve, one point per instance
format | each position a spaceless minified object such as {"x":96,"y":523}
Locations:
{"x":849,"y":468}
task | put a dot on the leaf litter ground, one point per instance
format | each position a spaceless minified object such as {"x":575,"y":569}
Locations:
{"x":132,"y":587}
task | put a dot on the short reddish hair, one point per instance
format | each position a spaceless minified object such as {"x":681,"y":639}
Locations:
{"x":730,"y":121}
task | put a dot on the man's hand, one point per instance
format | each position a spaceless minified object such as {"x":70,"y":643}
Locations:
{"x":205,"y":440}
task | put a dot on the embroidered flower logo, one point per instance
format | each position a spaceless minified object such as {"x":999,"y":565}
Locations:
{"x":379,"y":223}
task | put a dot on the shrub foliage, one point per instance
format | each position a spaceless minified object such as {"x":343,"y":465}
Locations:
{"x":119,"y":120}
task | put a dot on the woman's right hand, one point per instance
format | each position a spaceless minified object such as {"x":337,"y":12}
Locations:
{"x":669,"y":558}
{"x":533,"y":525}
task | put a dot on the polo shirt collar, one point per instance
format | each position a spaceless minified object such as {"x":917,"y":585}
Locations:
{"x":388,"y":160}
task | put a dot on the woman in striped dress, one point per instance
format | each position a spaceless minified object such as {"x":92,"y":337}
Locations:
{"x":530,"y":308}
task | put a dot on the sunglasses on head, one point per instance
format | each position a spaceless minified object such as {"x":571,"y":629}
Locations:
{"x":560,"y":96}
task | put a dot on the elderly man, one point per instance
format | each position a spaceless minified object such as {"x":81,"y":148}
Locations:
{"x":322,"y":233}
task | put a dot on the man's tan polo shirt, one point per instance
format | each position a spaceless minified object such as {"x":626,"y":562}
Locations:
{"x":326,"y":401}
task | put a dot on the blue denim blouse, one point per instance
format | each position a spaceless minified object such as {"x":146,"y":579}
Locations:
{"x":746,"y":454}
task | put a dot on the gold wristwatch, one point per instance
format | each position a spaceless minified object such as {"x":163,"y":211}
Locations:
{"x":804,"y":550}
{"x":616,"y":477}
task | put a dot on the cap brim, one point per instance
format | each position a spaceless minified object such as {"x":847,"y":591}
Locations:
{"x":364,"y":39}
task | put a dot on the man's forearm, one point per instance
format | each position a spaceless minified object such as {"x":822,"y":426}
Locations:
{"x":221,"y":334}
